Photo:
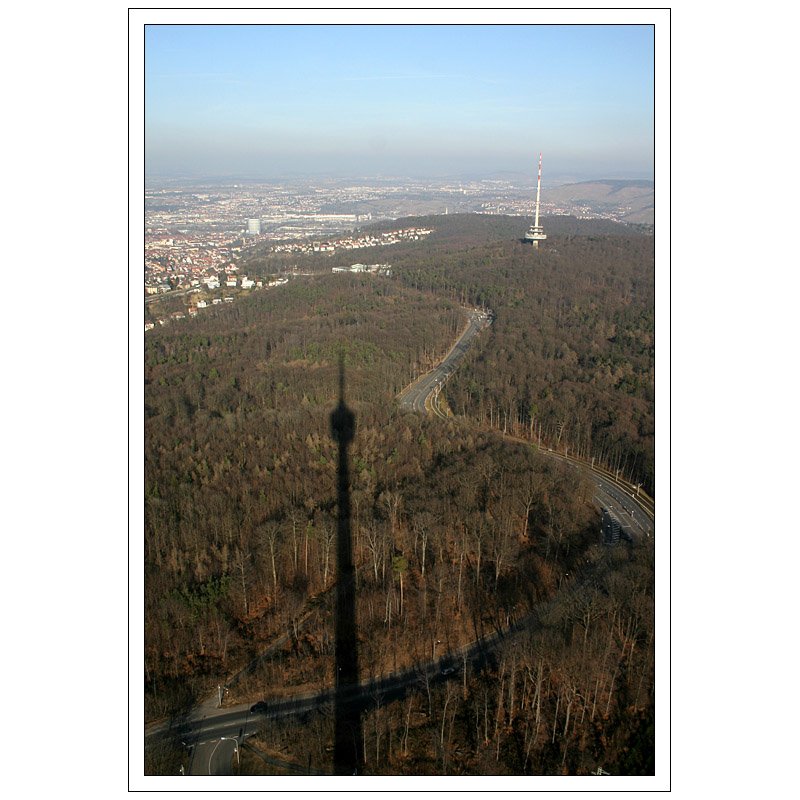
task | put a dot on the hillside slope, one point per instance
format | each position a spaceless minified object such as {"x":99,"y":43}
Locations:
{"x":633,"y":200}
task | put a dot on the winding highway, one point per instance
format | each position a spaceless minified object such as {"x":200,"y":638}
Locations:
{"x":632,"y":507}
{"x":421,"y":394}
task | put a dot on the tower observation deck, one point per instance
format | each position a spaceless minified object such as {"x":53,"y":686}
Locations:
{"x":535,"y":233}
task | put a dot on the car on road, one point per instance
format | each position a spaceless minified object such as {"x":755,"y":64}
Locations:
{"x":259,"y":708}
{"x":448,"y":671}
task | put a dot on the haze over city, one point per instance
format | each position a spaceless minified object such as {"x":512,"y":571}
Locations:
{"x":270,"y":101}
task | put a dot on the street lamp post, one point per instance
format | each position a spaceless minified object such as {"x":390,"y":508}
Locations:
{"x":221,"y":690}
{"x":235,"y":744}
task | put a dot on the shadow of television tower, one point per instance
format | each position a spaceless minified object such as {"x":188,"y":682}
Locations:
{"x":348,"y":736}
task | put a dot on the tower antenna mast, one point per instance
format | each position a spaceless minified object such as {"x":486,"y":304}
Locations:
{"x":538,"y":192}
{"x":535,"y":233}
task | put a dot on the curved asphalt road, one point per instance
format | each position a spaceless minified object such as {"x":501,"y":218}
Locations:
{"x":213,"y":739}
{"x":634,"y":509}
{"x":417,"y":396}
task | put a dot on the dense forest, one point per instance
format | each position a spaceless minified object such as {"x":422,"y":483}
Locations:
{"x":571,"y":362}
{"x":458,"y":527}
{"x":571,"y":358}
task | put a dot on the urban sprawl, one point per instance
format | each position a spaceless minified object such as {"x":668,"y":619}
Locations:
{"x":196,"y":234}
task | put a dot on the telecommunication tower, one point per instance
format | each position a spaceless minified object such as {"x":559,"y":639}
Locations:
{"x":535,"y":233}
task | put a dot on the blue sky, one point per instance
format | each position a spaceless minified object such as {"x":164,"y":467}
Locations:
{"x":268,"y":101}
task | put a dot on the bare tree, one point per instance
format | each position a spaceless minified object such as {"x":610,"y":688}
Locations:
{"x":296,"y":520}
{"x":374,"y":540}
{"x":241,"y":564}
{"x":422,"y":524}
{"x":391,"y":501}
{"x":328,"y":535}
{"x":271,"y":535}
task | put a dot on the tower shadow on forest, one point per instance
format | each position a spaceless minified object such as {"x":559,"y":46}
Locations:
{"x":348,"y":735}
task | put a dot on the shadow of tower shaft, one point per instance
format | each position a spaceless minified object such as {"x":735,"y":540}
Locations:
{"x":348,"y":735}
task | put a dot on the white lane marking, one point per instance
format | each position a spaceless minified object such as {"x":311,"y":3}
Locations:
{"x":212,"y":756}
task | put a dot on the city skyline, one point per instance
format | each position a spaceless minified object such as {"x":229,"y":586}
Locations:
{"x":275,"y":100}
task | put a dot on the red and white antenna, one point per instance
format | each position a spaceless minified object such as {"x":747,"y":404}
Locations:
{"x":535,"y":233}
{"x":538,"y":191}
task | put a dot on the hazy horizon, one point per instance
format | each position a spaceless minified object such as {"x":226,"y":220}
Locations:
{"x":415,"y":101}
{"x":287,"y":175}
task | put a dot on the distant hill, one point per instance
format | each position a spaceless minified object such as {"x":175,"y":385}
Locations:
{"x":634,"y":201}
{"x":473,"y":229}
